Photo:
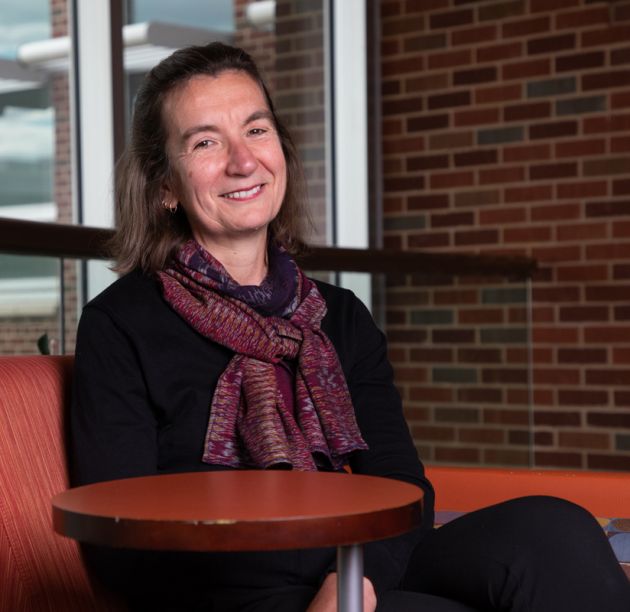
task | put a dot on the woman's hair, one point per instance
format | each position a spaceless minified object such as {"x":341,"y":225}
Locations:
{"x":147,"y":232}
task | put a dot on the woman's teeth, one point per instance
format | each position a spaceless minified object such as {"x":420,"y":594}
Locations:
{"x":238,"y":195}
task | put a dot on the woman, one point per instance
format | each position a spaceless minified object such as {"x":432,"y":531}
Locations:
{"x":214,"y":351}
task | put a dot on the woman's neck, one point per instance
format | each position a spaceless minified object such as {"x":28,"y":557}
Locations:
{"x":245,"y":262}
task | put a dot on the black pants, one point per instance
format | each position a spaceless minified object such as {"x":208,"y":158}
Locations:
{"x":533,"y":554}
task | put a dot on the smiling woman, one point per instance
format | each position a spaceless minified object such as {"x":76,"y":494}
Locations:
{"x":227,"y":168}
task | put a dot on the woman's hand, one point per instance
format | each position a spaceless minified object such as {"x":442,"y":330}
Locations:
{"x":326,"y":598}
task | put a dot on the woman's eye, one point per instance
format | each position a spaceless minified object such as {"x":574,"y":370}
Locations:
{"x":257,"y":131}
{"x":204,"y":144}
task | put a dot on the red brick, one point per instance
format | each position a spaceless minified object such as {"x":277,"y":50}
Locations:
{"x":618,"y":377}
{"x":550,"y":44}
{"x":458,"y":98}
{"x":502,"y":216}
{"x":622,"y":398}
{"x":402,"y":65}
{"x":402,"y":25}
{"x":621,"y":271}
{"x":431,"y":394}
{"x":609,"y":419}
{"x":586,"y":440}
{"x":529,"y":152}
{"x":580,"y":61}
{"x":607,"y":293}
{"x":457,"y":455}
{"x":427,"y":122}
{"x":476,"y":237}
{"x":543,"y":314}
{"x":585,"y":17}
{"x":448,"y":180}
{"x":451,"y":18}
{"x":429,"y":82}
{"x":553,"y":130}
{"x":607,"y":123}
{"x":580,"y":148}
{"x":556,"y":376}
{"x":427,"y":162}
{"x":522,"y":355}
{"x":620,"y":144}
{"x":527,"y":438}
{"x":468,"y":36}
{"x":621,"y":187}
{"x":498,"y":93}
{"x":584,"y":189}
{"x":403,"y":183}
{"x":450,"y":140}
{"x":484,"y":197}
{"x":499,"y":52}
{"x":608,"y":251}
{"x":557,"y":459}
{"x":455,"y":296}
{"x":608,"y":35}
{"x":427,"y":240}
{"x":605,"y":80}
{"x":620,"y":100}
{"x":582,"y":231}
{"x":479,"y":395}
{"x":449,"y":59}
{"x":526,"y":69}
{"x":527,"y":234}
{"x":506,"y":417}
{"x":501,"y":456}
{"x":481,"y":436}
{"x":476,"y":117}
{"x":553,"y":171}
{"x":582,"y":273}
{"x":512,"y":174}
{"x":452,"y":219}
{"x":478,"y":355}
{"x":622,"y":313}
{"x":542,"y":397}
{"x":428,"y":202}
{"x":557,"y":418}
{"x":531,"y":110}
{"x":526,"y":27}
{"x":606,"y":334}
{"x":608,"y":462}
{"x":431,"y":355}
{"x":552,"y":5}
{"x":555,"y":212}
{"x":555,"y":335}
{"x":529,"y":193}
{"x":557,"y":253}
{"x":432,"y":432}
{"x":399,"y":145}
{"x":582,"y":355}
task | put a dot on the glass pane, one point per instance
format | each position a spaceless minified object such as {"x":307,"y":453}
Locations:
{"x":27,"y":116}
{"x":30,"y":300}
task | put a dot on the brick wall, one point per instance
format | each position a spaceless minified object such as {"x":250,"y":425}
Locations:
{"x":505,"y":129}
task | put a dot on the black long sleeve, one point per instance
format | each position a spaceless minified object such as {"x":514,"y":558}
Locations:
{"x":144,"y":381}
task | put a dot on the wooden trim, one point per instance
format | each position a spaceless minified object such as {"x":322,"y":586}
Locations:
{"x":81,"y":242}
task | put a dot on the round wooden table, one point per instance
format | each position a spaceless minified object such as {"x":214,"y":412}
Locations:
{"x":244,"y":510}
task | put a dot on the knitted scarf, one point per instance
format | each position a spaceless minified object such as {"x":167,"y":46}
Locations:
{"x":254,"y":421}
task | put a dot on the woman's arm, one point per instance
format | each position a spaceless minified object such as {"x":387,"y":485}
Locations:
{"x":113,"y":429}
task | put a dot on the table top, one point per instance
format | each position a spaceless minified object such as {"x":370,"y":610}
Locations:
{"x":238,"y":510}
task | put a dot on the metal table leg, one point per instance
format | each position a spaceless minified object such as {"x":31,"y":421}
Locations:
{"x":350,"y":578}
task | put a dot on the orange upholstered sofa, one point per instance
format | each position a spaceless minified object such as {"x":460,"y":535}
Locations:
{"x":42,"y":571}
{"x":39,"y":570}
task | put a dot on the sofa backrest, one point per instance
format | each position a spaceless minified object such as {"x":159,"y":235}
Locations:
{"x":39,"y":570}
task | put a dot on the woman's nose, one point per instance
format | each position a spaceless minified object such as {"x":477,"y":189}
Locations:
{"x":241,"y":161}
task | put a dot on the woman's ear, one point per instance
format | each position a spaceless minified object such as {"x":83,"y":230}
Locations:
{"x":168,"y":199}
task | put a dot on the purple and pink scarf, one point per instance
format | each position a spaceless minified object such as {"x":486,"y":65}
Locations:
{"x":283,"y":398}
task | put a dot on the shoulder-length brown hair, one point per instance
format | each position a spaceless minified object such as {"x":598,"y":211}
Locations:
{"x":147,"y":233}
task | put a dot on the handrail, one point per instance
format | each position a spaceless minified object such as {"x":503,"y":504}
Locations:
{"x":82,"y":242}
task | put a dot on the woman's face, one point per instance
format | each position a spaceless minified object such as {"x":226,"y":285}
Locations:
{"x":228,"y":169}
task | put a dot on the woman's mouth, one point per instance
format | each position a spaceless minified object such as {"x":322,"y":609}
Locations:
{"x":243,"y":194}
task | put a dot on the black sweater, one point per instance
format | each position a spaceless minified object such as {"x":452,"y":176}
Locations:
{"x":144,"y":381}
